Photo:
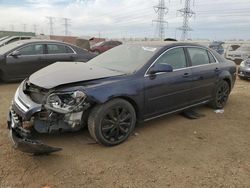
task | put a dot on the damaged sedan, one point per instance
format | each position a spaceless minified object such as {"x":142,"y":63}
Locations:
{"x":130,"y":83}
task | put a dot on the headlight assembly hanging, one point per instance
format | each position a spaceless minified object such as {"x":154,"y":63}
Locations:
{"x":66,"y":102}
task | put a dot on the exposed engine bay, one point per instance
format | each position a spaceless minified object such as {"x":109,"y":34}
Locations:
{"x":61,"y":112}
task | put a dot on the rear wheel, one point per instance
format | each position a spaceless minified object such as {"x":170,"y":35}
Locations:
{"x":112,"y":123}
{"x":220,"y":95}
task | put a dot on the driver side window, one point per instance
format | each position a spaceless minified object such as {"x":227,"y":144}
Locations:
{"x":175,"y":57}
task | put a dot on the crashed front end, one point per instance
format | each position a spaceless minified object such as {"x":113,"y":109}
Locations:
{"x":45,"y":111}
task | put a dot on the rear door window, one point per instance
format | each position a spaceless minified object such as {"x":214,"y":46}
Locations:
{"x":58,"y":49}
{"x":198,"y":56}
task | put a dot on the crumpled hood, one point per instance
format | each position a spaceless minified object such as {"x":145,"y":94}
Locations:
{"x":69,"y":72}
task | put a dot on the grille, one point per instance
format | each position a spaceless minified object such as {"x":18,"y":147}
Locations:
{"x":247,"y":73}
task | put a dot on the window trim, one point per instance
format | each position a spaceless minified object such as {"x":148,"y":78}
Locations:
{"x":208,"y":52}
{"x":44,"y":44}
{"x":188,"y":66}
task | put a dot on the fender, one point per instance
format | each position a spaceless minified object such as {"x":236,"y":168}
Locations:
{"x":225,"y":75}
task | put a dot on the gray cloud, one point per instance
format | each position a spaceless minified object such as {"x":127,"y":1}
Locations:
{"x":215,"y":19}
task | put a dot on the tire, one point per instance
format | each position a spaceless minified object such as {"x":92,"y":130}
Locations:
{"x":220,"y":95}
{"x":112,"y":123}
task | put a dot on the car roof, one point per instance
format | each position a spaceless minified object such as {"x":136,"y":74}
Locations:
{"x":38,"y":40}
{"x":164,"y":43}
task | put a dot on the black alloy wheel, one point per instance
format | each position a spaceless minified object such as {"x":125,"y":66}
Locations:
{"x":220,"y":95}
{"x":116,"y":124}
{"x":111,"y":123}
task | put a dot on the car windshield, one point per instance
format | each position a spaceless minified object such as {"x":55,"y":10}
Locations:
{"x":125,"y":58}
{"x":9,"y":47}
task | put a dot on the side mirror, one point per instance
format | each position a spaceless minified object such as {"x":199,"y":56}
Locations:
{"x":161,"y":68}
{"x":15,"y":53}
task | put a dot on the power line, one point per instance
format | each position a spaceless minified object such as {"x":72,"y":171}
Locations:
{"x":186,"y":13}
{"x":161,"y":11}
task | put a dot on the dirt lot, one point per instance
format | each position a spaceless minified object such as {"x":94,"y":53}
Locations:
{"x":172,"y":151}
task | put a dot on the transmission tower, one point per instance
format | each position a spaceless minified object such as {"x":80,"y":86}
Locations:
{"x":51,"y":24}
{"x":186,"y":13}
{"x":66,"y":25}
{"x":161,"y":11}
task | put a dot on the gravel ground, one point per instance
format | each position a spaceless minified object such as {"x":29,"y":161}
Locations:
{"x":172,"y":151}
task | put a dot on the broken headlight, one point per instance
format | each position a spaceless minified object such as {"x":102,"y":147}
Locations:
{"x":65,"y":102}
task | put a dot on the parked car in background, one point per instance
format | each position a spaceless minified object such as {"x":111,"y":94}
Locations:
{"x":20,"y":59}
{"x":11,"y":39}
{"x":244,"y":69}
{"x":217,"y":46}
{"x":110,"y":93}
{"x":101,"y":47}
{"x":2,"y":38}
{"x":238,"y":55}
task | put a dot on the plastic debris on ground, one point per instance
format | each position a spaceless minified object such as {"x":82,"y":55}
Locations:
{"x":219,"y":111}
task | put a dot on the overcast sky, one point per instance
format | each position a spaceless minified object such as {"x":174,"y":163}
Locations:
{"x":214,"y":19}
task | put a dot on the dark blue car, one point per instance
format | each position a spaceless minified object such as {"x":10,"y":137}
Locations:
{"x":110,"y":93}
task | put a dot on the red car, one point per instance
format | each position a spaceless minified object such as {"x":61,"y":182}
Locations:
{"x":104,"y":46}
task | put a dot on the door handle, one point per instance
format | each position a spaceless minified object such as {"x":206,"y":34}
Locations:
{"x":185,"y":75}
{"x":216,"y":69}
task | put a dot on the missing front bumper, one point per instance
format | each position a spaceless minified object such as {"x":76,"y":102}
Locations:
{"x":23,"y":141}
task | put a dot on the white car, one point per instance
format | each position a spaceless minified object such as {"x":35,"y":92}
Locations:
{"x":238,"y":55}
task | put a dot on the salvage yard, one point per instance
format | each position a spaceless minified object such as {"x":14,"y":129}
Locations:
{"x":172,"y":151}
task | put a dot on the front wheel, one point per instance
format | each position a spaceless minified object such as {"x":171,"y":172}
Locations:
{"x":111,"y":123}
{"x":220,"y":95}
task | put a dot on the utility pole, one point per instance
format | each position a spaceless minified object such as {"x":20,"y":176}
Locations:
{"x":12,"y":27}
{"x":24,"y":27}
{"x":66,"y":25}
{"x":161,"y":11}
{"x":186,"y":13}
{"x":51,"y":24}
{"x":35,"y":28}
